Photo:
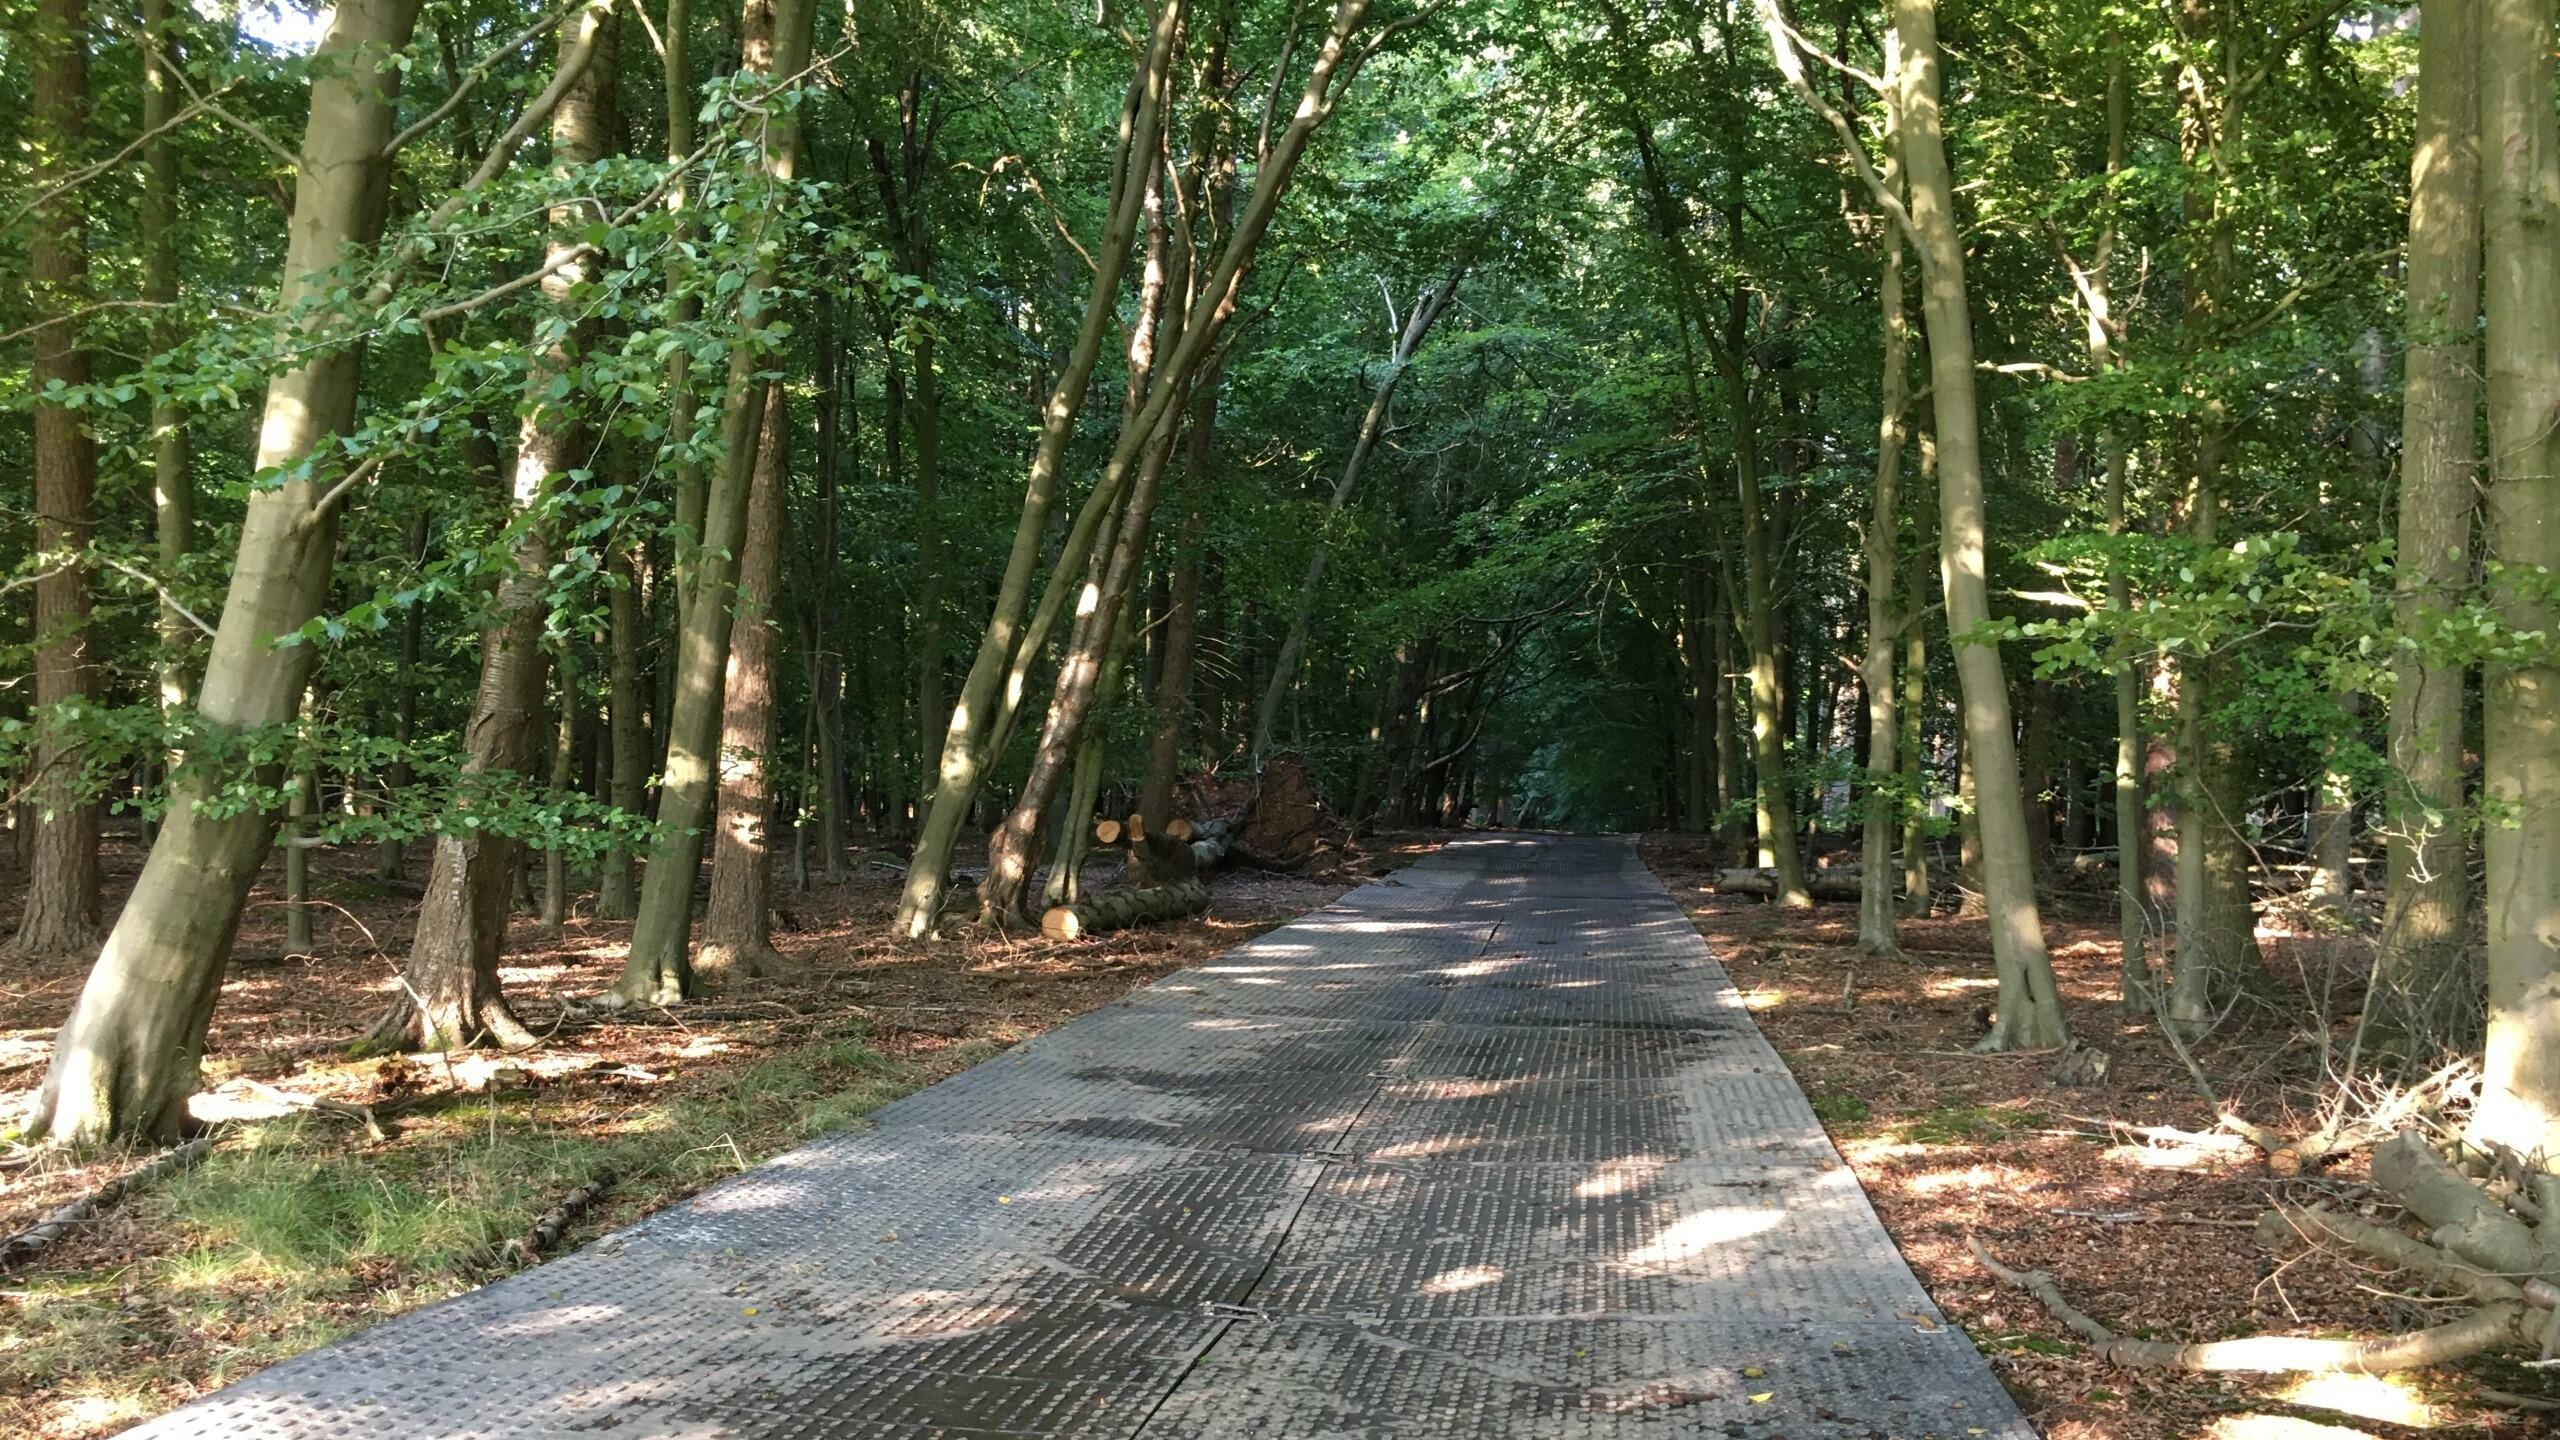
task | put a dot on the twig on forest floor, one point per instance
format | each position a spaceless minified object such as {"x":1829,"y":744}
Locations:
{"x":2145,"y":1217}
{"x":27,"y":1243}
{"x":545,"y":1233}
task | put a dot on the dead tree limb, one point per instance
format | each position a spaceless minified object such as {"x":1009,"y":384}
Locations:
{"x":27,"y":1243}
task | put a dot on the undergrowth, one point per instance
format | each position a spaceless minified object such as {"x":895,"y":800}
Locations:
{"x":294,"y":1232}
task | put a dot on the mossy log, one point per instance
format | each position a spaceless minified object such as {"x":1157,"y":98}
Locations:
{"x":1120,"y":909}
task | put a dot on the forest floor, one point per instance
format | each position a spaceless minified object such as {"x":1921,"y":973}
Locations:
{"x":2155,"y":1239}
{"x":303,"y":1223}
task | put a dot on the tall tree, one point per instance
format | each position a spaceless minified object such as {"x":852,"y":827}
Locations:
{"x":127,"y":1058}
{"x":2520,"y":277}
{"x":2418,"y":979}
{"x":449,"y":992}
{"x":659,"y":969}
{"x":61,"y":909}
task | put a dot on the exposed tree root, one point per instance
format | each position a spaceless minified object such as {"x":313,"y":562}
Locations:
{"x":2502,"y":1323}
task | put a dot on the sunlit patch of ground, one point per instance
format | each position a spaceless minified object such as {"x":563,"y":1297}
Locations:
{"x":299,"y":1227}
{"x":2124,"y":1192}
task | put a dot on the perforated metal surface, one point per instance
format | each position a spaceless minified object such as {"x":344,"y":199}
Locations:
{"x":1487,"y":1149}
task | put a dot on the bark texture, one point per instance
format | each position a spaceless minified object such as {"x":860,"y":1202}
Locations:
{"x":129,"y":1055}
{"x":2520,"y":279}
{"x":60,"y":915}
{"x":2419,"y":978}
{"x":737,"y":921}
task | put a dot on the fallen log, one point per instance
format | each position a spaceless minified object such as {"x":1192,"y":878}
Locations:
{"x":1120,"y":909}
{"x":1764,"y":883}
{"x":28,"y":1242}
{"x":546,"y":1231}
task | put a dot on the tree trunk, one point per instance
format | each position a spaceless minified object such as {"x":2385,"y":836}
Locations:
{"x":990,"y":697}
{"x":963,"y":748}
{"x":737,"y":923}
{"x":391,"y":859}
{"x":1916,"y":897}
{"x":1884,"y":798}
{"x":2520,"y":281}
{"x":1775,"y":810}
{"x":618,"y":893}
{"x":2418,"y":979}
{"x":173,"y":490}
{"x":2030,"y":1007}
{"x":1427,"y":309}
{"x":450,"y":990}
{"x":564,"y":752}
{"x":129,"y":1055}
{"x":659,"y":968}
{"x":300,"y":803}
{"x":61,"y":907}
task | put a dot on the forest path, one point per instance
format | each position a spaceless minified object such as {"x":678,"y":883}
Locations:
{"x":1487,"y":1148}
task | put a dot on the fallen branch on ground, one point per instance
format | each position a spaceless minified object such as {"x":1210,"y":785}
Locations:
{"x":546,"y":1231}
{"x":27,"y":1243}
{"x":2503,"y":1323}
{"x":1119,"y":909}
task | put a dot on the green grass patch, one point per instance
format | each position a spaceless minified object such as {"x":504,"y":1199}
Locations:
{"x":1962,"y":1125}
{"x":1836,"y":1107}
{"x":294,"y":1232}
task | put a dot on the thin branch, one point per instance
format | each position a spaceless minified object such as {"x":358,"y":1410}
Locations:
{"x":166,"y":598}
{"x":1791,"y":64}
{"x":86,"y":173}
{"x":472,"y":77}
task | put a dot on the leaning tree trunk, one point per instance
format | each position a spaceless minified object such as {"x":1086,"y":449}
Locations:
{"x":991,"y":695}
{"x":1428,"y":307}
{"x":60,"y":913}
{"x":128,"y":1057}
{"x":1884,"y":800}
{"x":2029,"y":1012}
{"x":659,"y":968}
{"x":2418,"y":985}
{"x":2520,"y":275}
{"x":965,"y":753}
{"x":450,"y":995}
{"x":737,"y":921}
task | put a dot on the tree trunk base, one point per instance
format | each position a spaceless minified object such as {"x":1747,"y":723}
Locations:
{"x":718,"y":964}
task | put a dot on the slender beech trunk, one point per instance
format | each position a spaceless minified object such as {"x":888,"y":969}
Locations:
{"x":1173,"y":698}
{"x":173,"y":488}
{"x":128,"y":1057}
{"x":737,"y":921}
{"x":60,"y":914}
{"x":991,"y":696}
{"x":965,"y":752}
{"x":2217,"y":948}
{"x":391,"y":858}
{"x":2418,"y":985}
{"x":1695,"y":727}
{"x":554,"y":915}
{"x":1427,"y":309}
{"x":2520,"y":279}
{"x":659,"y":967}
{"x":300,"y":809}
{"x":450,"y":995}
{"x":2029,"y":1014}
{"x":826,"y":646}
{"x":617,"y":890}
{"x":1916,"y":896}
{"x":1775,"y":808}
{"x":1731,"y":781}
{"x":675,"y":60}
{"x":1884,"y":800}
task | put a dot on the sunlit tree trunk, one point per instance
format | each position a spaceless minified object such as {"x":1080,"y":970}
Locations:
{"x":128,"y":1057}
{"x":2418,"y":979}
{"x":449,"y":993}
{"x":737,"y":921}
{"x":173,"y":488}
{"x":2520,"y":284}
{"x":659,"y":968}
{"x":991,"y":696}
{"x":1427,"y":309}
{"x":964,"y":751}
{"x":1885,"y":801}
{"x":60,"y":910}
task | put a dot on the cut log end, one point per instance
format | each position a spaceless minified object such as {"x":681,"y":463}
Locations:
{"x":1106,"y":832}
